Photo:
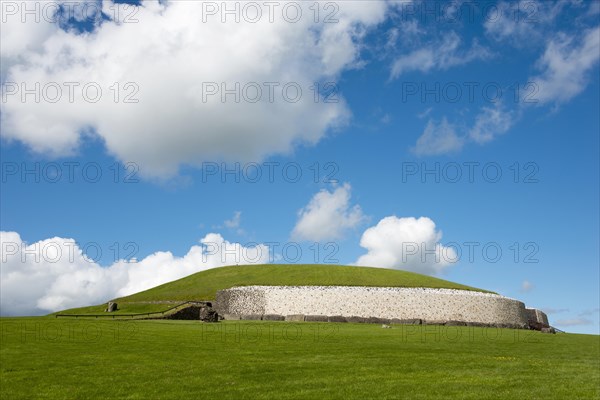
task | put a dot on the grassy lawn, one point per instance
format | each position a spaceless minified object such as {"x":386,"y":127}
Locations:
{"x":47,"y":358}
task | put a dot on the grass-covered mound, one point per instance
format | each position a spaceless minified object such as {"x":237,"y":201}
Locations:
{"x":204,"y":285}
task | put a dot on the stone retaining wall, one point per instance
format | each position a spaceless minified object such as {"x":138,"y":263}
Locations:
{"x":536,"y":316}
{"x":428,"y":305}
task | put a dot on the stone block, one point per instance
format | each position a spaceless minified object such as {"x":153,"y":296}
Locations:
{"x":477,"y":324}
{"x":295,"y":318}
{"x":316,"y":318}
{"x":376,"y":320}
{"x":405,"y":321}
{"x":455,"y":323}
{"x":251,"y":317}
{"x":433,"y":322}
{"x":356,"y":320}
{"x":273,"y":317}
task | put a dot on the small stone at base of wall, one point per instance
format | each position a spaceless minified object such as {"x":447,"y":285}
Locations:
{"x":510,"y":326}
{"x":375,"y":320}
{"x":482,"y":325}
{"x":337,"y":318}
{"x":316,"y":318}
{"x":356,"y":320}
{"x":207,"y":314}
{"x":251,"y":317}
{"x":406,"y":321}
{"x":295,"y":318}
{"x":478,"y":324}
{"x":273,"y":317}
{"x":455,"y":323}
{"x":433,"y":322}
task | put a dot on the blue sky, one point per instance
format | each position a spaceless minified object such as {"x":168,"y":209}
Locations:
{"x":378,"y":166}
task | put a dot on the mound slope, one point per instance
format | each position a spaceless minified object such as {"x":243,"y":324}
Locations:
{"x":204,"y":285}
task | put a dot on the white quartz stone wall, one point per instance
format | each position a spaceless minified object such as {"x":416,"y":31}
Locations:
{"x":381,"y":302}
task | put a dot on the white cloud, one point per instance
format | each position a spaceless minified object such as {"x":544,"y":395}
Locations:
{"x":549,"y":310}
{"x":526,"y":286}
{"x":444,"y":138}
{"x":593,"y":311}
{"x":168,"y":55}
{"x":510,"y":21}
{"x":580,"y":319}
{"x":403,"y":31}
{"x":489,"y":123}
{"x":24,"y":34}
{"x":327,"y":216}
{"x":406,"y":243}
{"x":438,"y":139}
{"x":573,"y":322}
{"x":21,"y":37}
{"x":234,"y":222}
{"x":441,"y":55}
{"x":54,"y":274}
{"x":565,"y":65}
{"x":425,"y":113}
{"x":523,"y":22}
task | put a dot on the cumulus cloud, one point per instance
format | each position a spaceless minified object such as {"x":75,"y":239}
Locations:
{"x":411,"y":244}
{"x":25,"y":28}
{"x":55,"y":274}
{"x":328,"y":216}
{"x":442,"y":55}
{"x":154,"y":107}
{"x":565,"y":66}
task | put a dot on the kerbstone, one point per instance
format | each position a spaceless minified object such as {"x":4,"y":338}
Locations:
{"x":295,"y":318}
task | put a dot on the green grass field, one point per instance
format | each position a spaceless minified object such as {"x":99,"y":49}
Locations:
{"x":204,"y":285}
{"x":95,"y":358}
{"x":48,"y":358}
